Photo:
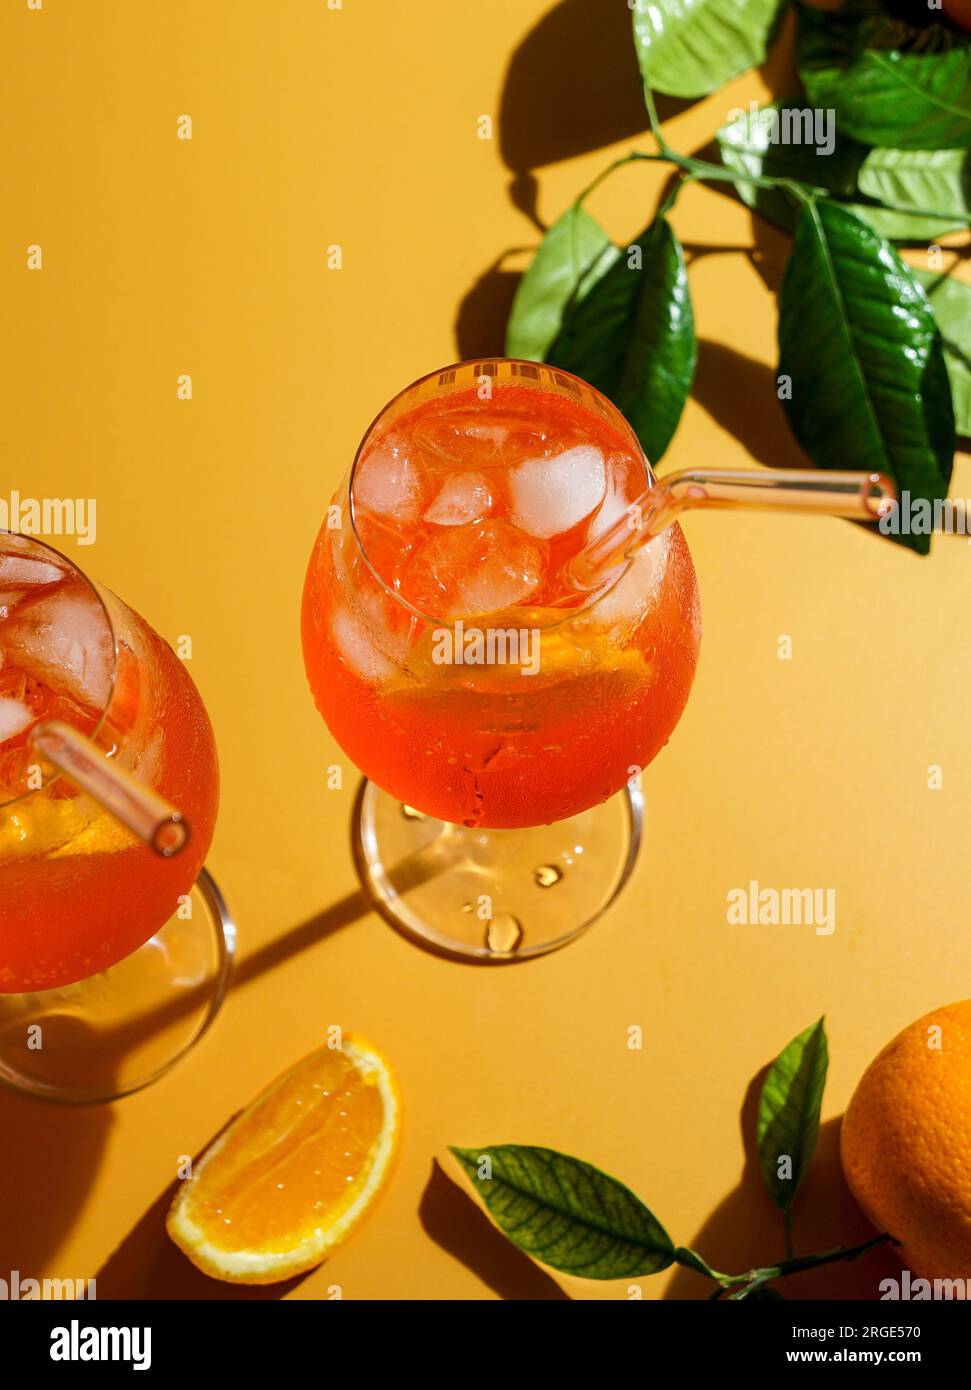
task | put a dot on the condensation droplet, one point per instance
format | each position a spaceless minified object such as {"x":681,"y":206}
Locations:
{"x":504,"y":933}
{"x":468,"y":907}
{"x":547,"y":874}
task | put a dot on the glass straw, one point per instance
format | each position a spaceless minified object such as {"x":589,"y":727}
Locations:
{"x":859,"y":496}
{"x":139,"y":807}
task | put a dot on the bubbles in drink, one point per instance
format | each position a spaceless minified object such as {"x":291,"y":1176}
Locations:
{"x":552,"y":495}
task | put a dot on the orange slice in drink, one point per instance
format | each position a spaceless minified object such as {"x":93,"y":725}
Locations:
{"x":295,"y":1172}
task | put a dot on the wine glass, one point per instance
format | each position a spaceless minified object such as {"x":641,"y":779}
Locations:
{"x":115,"y":943}
{"x":502,"y":714}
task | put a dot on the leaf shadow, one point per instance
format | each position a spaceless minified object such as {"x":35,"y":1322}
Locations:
{"x":453,"y":1219}
{"x":740,"y":395}
{"x":572,"y":86}
{"x":746,"y":1230}
{"x":480,"y":323}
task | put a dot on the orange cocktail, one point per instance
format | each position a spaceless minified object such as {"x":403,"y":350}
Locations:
{"x":78,"y":891}
{"x":447,"y":649}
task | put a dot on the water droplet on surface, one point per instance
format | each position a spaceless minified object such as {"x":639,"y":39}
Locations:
{"x":504,"y":933}
{"x":410,"y":813}
{"x":547,"y":874}
{"x":468,"y":907}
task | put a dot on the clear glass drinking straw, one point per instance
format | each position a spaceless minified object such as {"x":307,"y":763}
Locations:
{"x":856,"y":495}
{"x":137,"y":806}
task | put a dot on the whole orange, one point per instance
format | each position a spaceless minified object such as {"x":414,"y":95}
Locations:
{"x":906,"y":1143}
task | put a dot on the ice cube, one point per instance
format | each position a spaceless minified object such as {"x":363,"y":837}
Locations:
{"x":387,"y":483}
{"x":355,"y":645}
{"x":15,"y":717}
{"x":636,"y":590}
{"x":22,"y":575}
{"x":464,"y":498}
{"x":482,"y":568}
{"x":460,"y":437}
{"x":24,"y":571}
{"x":621,"y":492}
{"x":552,"y":495}
{"x":62,"y":638}
{"x":384,"y":547}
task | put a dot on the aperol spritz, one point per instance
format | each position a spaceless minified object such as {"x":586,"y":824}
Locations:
{"x":465,"y":674}
{"x":78,"y":891}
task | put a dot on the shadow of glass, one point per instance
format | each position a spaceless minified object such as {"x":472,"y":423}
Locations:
{"x":746,"y":1230}
{"x":453,"y":1220}
{"x":49,"y":1155}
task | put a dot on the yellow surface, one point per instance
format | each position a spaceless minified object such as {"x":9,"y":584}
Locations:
{"x":358,"y":126}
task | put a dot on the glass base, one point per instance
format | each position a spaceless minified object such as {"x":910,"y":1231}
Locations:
{"x":494,"y":895}
{"x":110,"y":1035}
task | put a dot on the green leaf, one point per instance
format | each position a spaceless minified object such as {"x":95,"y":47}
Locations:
{"x":632,"y":336}
{"x":951,"y":301}
{"x":687,"y":48}
{"x":572,"y":256}
{"x":909,"y":228}
{"x":778,"y":140}
{"x":932,"y":179}
{"x":567,"y":1213}
{"x":788,"y":1119}
{"x":938,"y":179}
{"x":890,"y":82}
{"x":861,"y":349}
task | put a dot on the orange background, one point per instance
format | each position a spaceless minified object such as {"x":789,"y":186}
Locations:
{"x":358,"y":126}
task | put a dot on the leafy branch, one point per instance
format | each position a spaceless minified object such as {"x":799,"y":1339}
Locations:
{"x":865,"y":377}
{"x":582,"y":1221}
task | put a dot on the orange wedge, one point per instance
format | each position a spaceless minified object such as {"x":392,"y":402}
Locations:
{"x":295,"y":1172}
